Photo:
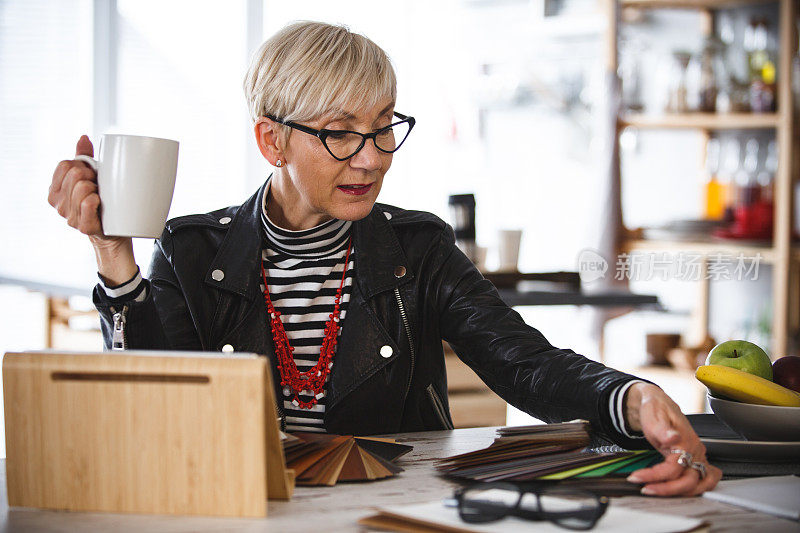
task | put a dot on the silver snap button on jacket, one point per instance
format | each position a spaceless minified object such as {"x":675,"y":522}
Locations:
{"x":217,"y":275}
{"x":386,"y":351}
{"x":387,"y":215}
{"x":227,"y":348}
{"x":224,"y":220}
{"x":399,"y":271}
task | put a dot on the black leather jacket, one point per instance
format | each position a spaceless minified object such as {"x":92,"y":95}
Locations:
{"x":413,"y":287}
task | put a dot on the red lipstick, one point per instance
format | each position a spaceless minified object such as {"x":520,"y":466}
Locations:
{"x":356,"y":189}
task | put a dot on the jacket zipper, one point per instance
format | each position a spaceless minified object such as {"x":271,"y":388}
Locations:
{"x":403,"y":316}
{"x":281,"y":413}
{"x":119,"y":339}
{"x":438,"y":406}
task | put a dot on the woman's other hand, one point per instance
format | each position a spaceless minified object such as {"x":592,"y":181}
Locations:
{"x":652,"y":412}
{"x":73,"y":192}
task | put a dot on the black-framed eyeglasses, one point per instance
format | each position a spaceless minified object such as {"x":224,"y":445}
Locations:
{"x":344,"y":144}
{"x":568,"y":508}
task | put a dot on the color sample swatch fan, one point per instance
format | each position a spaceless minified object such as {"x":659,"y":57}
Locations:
{"x":549,"y":452}
{"x":325,"y":459}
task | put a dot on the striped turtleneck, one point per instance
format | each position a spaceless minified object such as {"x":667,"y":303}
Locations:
{"x":304,"y":271}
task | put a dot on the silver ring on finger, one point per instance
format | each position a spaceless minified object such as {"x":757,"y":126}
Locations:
{"x":700,"y":467}
{"x":684,"y":458}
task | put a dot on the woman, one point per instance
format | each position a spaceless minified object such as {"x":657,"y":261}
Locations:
{"x":349,"y":298}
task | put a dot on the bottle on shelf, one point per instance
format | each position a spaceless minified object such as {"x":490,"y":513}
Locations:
{"x":708,"y":78}
{"x":766,"y":177}
{"x":764,"y":209}
{"x":630,"y":75}
{"x":678,"y":101}
{"x":737,"y":97}
{"x":729,"y":171}
{"x":716,"y":188}
{"x":747,"y":180}
{"x":761,"y":64}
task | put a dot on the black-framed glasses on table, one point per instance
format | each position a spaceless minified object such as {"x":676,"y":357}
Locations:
{"x":568,"y":508}
{"x":344,"y":144}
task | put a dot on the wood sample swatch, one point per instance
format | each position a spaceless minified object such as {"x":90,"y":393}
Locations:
{"x":324,"y":459}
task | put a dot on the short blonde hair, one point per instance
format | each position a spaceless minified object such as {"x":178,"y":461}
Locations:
{"x":310,"y":69}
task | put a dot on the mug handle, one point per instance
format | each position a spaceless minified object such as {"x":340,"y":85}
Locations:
{"x":88,"y":160}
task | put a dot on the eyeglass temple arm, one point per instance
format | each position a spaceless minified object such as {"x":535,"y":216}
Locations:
{"x":411,"y":120}
{"x":294,"y":125}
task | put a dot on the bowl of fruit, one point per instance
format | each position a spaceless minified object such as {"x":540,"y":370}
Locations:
{"x":756,"y":398}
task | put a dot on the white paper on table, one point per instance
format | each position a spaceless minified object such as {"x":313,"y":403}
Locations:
{"x":775,"y":495}
{"x":615,"y":520}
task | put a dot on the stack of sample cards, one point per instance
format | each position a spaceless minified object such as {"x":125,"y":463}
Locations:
{"x":541,"y":453}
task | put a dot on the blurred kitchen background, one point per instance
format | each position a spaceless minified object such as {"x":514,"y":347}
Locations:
{"x":614,"y":129}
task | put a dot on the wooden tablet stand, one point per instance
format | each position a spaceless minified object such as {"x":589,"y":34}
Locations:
{"x":143,"y":432}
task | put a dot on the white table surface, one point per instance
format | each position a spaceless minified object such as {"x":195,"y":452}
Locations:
{"x":324,"y":509}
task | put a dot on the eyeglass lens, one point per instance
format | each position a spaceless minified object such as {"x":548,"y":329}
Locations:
{"x":571,"y":510}
{"x":488,"y":504}
{"x":344,"y":145}
{"x":568,"y":509}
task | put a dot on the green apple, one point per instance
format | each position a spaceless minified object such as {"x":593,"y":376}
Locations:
{"x":741,"y":355}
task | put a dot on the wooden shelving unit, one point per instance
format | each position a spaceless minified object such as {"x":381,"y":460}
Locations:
{"x":690,"y":4}
{"x":707,"y":121}
{"x":707,"y":249}
{"x":780,"y":254}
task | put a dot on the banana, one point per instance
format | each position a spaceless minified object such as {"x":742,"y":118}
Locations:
{"x":746,"y":387}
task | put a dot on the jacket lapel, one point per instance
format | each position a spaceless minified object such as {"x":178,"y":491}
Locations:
{"x":358,"y":353}
{"x":239,"y":255}
{"x":240,"y":318}
{"x":378,"y":254}
{"x":364,"y":342}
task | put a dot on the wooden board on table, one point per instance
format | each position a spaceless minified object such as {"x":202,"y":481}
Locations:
{"x":142,"y":432}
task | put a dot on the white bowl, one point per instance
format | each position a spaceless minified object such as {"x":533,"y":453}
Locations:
{"x":758,"y":422}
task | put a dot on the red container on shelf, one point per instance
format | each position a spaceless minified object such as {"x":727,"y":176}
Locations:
{"x":750,"y":221}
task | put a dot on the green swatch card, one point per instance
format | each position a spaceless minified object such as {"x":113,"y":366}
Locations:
{"x":564,"y":474}
{"x":613,"y":467}
{"x":651,"y":459}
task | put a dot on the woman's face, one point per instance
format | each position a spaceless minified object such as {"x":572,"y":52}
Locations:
{"x":313,"y":186}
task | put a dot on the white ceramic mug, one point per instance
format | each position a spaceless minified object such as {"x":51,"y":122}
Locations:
{"x":135,"y":181}
{"x":508,"y":249}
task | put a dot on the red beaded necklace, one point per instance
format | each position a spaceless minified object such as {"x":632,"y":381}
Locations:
{"x":312,"y":381}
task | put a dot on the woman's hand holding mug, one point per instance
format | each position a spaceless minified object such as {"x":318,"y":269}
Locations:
{"x":74,"y":194}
